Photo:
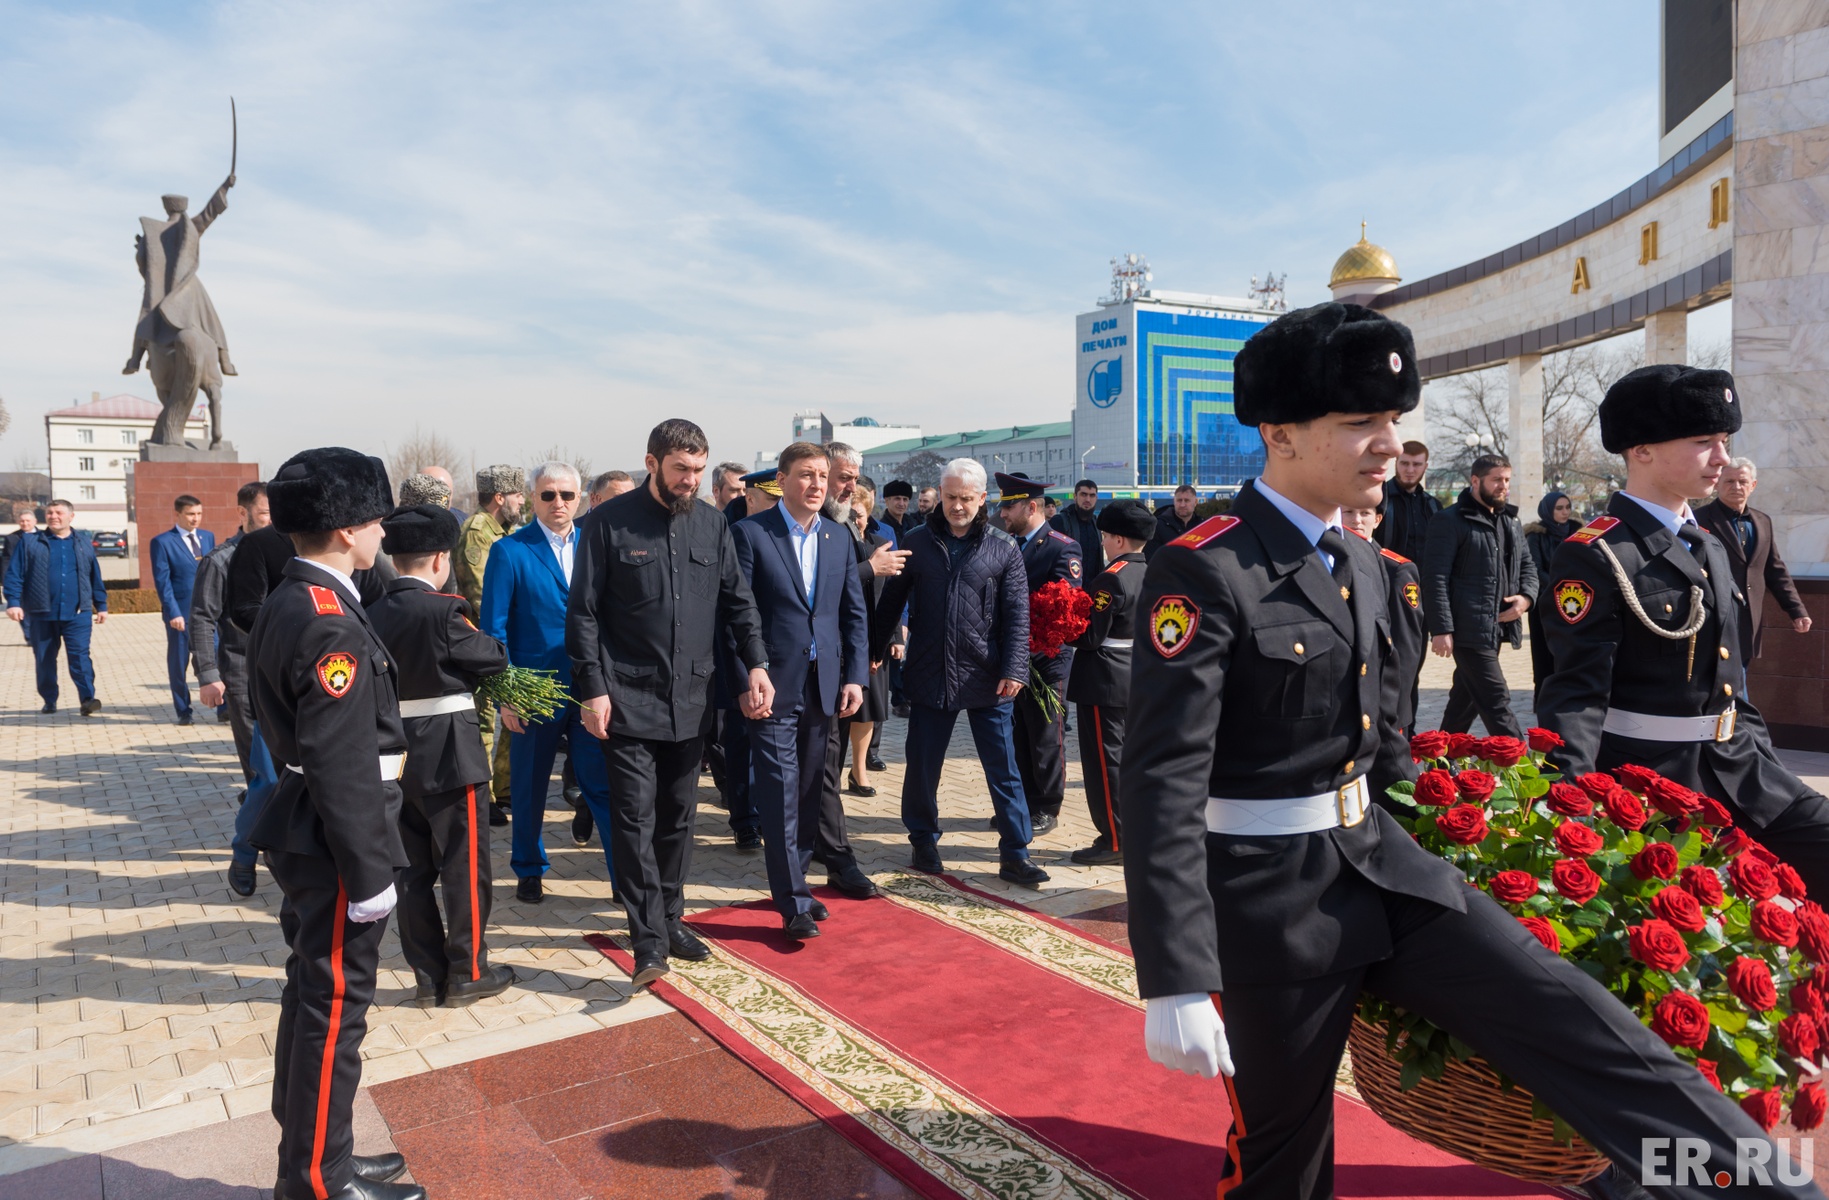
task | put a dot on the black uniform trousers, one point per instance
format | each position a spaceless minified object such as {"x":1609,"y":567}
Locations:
{"x":446,"y":836}
{"x":787,"y":787}
{"x":1041,"y":751}
{"x":1481,"y":976}
{"x":833,"y":844}
{"x":729,"y":759}
{"x":1479,"y":689}
{"x":653,"y":800}
{"x":323,"y":1015}
{"x":1101,"y":753}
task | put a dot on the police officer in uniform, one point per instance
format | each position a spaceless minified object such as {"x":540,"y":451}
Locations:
{"x":1266,"y":892}
{"x":1099,"y":680}
{"x":1645,"y":631}
{"x":1041,"y":738}
{"x":440,"y":655}
{"x":324,"y":688}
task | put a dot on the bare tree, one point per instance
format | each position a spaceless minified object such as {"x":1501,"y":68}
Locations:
{"x":922,"y":469}
{"x":6,"y":418}
{"x":434,"y":449}
{"x":557,"y":453}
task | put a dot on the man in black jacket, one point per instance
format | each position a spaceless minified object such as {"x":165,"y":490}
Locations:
{"x":1408,"y":506}
{"x":1175,"y":520}
{"x":1080,"y":521}
{"x":1477,"y":586}
{"x":654,"y":580}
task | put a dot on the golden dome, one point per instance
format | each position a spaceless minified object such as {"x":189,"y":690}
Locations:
{"x":1364,"y":263}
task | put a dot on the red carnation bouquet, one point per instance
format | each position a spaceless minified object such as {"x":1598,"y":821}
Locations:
{"x":1058,"y":613}
{"x":1648,"y":887}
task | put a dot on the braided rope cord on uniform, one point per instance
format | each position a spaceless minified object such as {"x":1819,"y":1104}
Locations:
{"x":1698,"y":614}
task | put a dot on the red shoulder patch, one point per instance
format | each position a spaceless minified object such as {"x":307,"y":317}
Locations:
{"x":1206,"y":531}
{"x":1393,"y":555}
{"x":327,"y":602}
{"x":1114,"y":568}
{"x":1593,"y":529}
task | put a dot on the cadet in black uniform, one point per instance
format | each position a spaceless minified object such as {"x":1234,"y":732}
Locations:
{"x":440,"y":654}
{"x":1646,"y":633}
{"x":1409,"y":632}
{"x":1041,"y":740}
{"x":323,"y":687}
{"x":1099,"y":681}
{"x":1253,"y":860}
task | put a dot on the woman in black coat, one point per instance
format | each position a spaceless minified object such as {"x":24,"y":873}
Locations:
{"x":861,"y":727}
{"x":1555,"y":521}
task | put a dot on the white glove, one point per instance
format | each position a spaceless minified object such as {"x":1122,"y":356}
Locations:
{"x":1184,"y":1033}
{"x":374,"y":909}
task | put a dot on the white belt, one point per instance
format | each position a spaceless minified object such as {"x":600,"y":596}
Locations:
{"x":391,"y":766}
{"x":1671,"y":729}
{"x":1282,"y":818}
{"x":437,"y":705}
{"x":1117,"y":643}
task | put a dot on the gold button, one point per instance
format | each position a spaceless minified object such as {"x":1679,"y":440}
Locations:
{"x":1728,"y":688}
{"x":1348,"y":768}
{"x":1667,"y":608}
{"x":1345,"y":594}
{"x":1299,"y":649}
{"x":1724,"y":652}
{"x":1365,"y":720}
{"x":1361,"y":669}
{"x":1705,"y":572}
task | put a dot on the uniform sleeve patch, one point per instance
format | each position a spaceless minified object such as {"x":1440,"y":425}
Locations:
{"x":1171,"y":624}
{"x":337,"y":673}
{"x":1101,"y":600}
{"x":1393,"y":555}
{"x":1593,"y":529}
{"x":326,"y":601}
{"x":1413,"y":594}
{"x":1073,"y":568}
{"x":1573,"y":599}
{"x":1206,"y":531}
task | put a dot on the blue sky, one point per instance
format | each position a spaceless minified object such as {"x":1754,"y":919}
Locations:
{"x":558,"y":223}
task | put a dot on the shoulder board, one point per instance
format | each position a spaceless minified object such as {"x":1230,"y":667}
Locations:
{"x":1592,"y":530}
{"x":1114,"y":568}
{"x":326,"y":601}
{"x":1206,"y":531}
{"x":1058,"y":536}
{"x":1394,"y":556}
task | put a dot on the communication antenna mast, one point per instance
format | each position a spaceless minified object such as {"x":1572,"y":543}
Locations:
{"x":1130,"y":278}
{"x":1269,"y":294}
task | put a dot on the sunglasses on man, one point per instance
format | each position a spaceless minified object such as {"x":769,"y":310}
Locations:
{"x":549,"y":496}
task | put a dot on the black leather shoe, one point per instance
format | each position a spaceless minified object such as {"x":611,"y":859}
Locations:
{"x":927,"y":859}
{"x":498,"y":816}
{"x":1040,"y":823}
{"x":900,"y":710}
{"x":91,"y":706}
{"x":683,"y":943}
{"x":1096,"y":855}
{"x":852,"y":882}
{"x":364,"y":1189}
{"x":186,"y":720}
{"x":854,"y":788}
{"x":802,"y":927}
{"x":574,"y":795}
{"x":370,"y":1168}
{"x":496,"y":980}
{"x":819,"y":912}
{"x":581,"y":827}
{"x":241,"y":878}
{"x":749,"y":841}
{"x":1022,"y":871}
{"x":529,"y":891}
{"x":427,"y":990}
{"x":647,"y":970}
{"x":876,"y":764}
{"x":49,"y":708}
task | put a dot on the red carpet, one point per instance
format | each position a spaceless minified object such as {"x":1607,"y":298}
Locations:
{"x":978,"y":1049}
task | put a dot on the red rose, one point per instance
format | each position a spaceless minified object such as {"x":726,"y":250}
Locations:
{"x":1463,"y":825}
{"x":1544,"y":932}
{"x":1567,"y":800}
{"x":1761,"y":853}
{"x":1807,"y":1107}
{"x":1797,"y":1034}
{"x":1670,"y":797}
{"x":1475,"y":786}
{"x":1576,"y":840}
{"x":1750,"y":979}
{"x":1576,"y":880}
{"x":1513,"y":887}
{"x":1463,"y":745}
{"x":1542,"y":740}
{"x":1708,"y":1072}
{"x":1752,"y":879}
{"x":1702,"y":883}
{"x":1804,"y":999}
{"x":1059,"y":612}
{"x":1712,"y":812}
{"x":1764,"y":1107}
{"x":1624,"y":810}
{"x":1773,"y":924}
{"x":1506,"y":751}
{"x":1656,"y":944}
{"x":1658,"y":860}
{"x":1432,"y":744}
{"x":1681,"y":1020}
{"x":1813,"y":931}
{"x":1636,"y":778}
{"x":1596,"y":785}
{"x":1790,"y":883}
{"x":1678,"y":907}
{"x":1435,"y":789}
{"x":1732,"y":843}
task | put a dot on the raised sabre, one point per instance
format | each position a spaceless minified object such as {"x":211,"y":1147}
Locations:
{"x":234,"y":137}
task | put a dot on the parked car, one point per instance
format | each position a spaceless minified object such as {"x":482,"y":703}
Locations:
{"x":110,"y":543}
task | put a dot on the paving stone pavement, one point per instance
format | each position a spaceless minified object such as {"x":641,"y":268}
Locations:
{"x":138,"y":994}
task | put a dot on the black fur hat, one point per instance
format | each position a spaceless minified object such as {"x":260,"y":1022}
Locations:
{"x":1128,"y":518}
{"x":328,"y":488}
{"x":1331,"y":358}
{"x":1667,"y":402}
{"x":418,"y":529}
{"x":898,"y":487}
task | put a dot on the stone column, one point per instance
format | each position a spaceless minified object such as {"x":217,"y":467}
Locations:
{"x":1667,"y":337}
{"x":1524,"y":377}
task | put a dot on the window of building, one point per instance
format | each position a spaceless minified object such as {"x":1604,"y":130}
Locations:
{"x":86,"y":436}
{"x":86,"y":463}
{"x":130,"y":437}
{"x":87,"y":491}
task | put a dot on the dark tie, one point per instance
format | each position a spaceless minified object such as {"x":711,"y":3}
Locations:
{"x":1691,"y":533}
{"x":191,"y":538}
{"x":1333,"y":543}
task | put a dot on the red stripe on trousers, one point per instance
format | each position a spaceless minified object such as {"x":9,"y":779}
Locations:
{"x":1098,"y":735}
{"x":1238,"y":1124}
{"x":330,"y":1046}
{"x":476,"y":928}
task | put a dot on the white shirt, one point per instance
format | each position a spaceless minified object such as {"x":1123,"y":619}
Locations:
{"x":563,"y":549}
{"x":1671,"y":519}
{"x":806,"y":551}
{"x":1306,"y":523}
{"x":335,"y":574}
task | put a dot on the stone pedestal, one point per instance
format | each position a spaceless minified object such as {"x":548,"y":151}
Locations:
{"x":213,"y":480}
{"x":1524,"y":398}
{"x":1667,"y":337}
{"x":189,"y":452}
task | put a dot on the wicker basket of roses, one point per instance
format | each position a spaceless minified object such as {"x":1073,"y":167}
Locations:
{"x":1645,"y":885}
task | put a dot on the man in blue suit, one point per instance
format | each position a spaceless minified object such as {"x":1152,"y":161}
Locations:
{"x":175,"y":555}
{"x":802,"y":569}
{"x":525,"y":587}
